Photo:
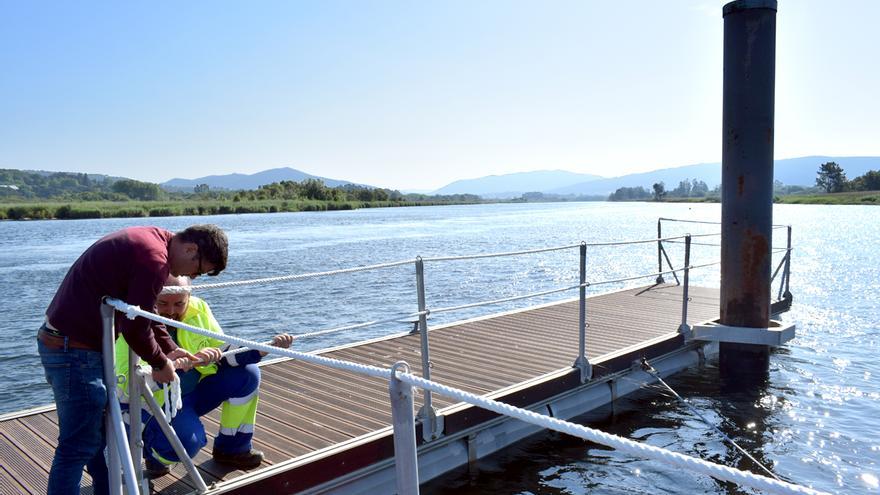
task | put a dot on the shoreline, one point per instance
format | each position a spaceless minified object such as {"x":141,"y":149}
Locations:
{"x":77,"y":210}
{"x":853,"y":198}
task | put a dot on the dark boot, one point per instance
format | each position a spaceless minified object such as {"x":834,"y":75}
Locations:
{"x":155,"y":469}
{"x":243,"y":460}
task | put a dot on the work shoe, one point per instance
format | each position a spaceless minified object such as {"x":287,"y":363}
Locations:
{"x":155,"y":469}
{"x":242,"y":460}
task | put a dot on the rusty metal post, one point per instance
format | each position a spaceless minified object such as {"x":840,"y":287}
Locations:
{"x":747,"y":177}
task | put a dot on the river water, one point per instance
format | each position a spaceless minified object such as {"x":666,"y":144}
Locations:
{"x":816,"y":421}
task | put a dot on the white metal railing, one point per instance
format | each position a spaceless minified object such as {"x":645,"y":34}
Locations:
{"x":784,"y":264}
{"x":432,"y":424}
{"x":403,"y":417}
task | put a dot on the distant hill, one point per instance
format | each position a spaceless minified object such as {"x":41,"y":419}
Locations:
{"x":790,"y":171}
{"x":514,"y":185}
{"x":42,"y":184}
{"x":246,"y":182}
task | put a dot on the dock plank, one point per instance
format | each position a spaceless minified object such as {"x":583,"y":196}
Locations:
{"x":26,"y":471}
{"x":9,"y":485}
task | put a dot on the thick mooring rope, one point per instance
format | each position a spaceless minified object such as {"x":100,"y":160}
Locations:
{"x":626,"y":445}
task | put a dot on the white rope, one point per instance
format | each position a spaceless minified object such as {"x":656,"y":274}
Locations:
{"x":173,"y":400}
{"x":772,"y":250}
{"x":774,"y":226}
{"x":696,"y":243}
{"x":299,"y":336}
{"x":301,"y":276}
{"x":647,"y":241}
{"x":562,"y":289}
{"x":688,"y":221}
{"x":557,"y":248}
{"x":496,"y":255}
{"x":622,"y":444}
{"x":133,"y":311}
{"x":636,"y":277}
{"x":704,"y":265}
{"x":396,"y":319}
{"x":506,"y":299}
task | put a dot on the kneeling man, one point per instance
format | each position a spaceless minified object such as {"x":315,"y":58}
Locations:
{"x":231,"y":382}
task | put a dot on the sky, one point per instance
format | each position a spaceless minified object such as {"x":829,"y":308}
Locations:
{"x":413,"y":95}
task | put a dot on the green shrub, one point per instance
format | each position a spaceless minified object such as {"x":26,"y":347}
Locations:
{"x":36,"y":212}
{"x":135,"y":212}
{"x":63,"y":211}
{"x":85,"y":213}
{"x":162,"y":212}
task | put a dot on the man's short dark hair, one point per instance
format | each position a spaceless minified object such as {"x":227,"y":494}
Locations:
{"x":212,"y":243}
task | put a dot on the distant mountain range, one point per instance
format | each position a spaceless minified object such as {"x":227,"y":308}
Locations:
{"x":252,"y":181}
{"x":790,"y":171}
{"x":513,"y":185}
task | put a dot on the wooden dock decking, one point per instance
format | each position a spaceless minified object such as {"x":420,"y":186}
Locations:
{"x":315,"y":424}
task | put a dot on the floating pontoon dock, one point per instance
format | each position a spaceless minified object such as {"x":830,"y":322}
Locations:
{"x":326,"y":430}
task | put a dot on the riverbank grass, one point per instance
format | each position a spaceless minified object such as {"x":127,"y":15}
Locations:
{"x":134,"y":209}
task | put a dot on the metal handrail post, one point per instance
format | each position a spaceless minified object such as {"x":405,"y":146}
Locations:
{"x":427,"y":413}
{"x":668,"y":262}
{"x":660,"y":279}
{"x":786,"y":275}
{"x":581,"y":362}
{"x":135,"y":423}
{"x":684,"y":329}
{"x":120,"y":456}
{"x":406,"y":462}
{"x":168,"y":431}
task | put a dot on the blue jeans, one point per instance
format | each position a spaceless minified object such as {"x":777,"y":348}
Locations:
{"x":77,"y":380}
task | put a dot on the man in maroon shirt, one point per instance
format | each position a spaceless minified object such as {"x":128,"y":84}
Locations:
{"x":132,"y":265}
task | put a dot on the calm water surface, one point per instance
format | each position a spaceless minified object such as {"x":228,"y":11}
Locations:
{"x":816,"y":421}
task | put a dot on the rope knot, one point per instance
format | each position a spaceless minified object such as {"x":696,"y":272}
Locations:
{"x":131,"y":312}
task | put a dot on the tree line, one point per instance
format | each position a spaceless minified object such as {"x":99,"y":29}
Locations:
{"x":688,"y":188}
{"x":19,"y":185}
{"x":831,"y":178}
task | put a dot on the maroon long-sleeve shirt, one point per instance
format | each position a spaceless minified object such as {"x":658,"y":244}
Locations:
{"x":131,"y":265}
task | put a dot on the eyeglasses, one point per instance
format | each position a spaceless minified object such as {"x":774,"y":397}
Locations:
{"x":201,"y":271}
{"x":200,"y":264}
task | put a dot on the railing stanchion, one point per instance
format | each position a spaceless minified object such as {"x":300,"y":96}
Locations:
{"x":659,"y":251}
{"x":168,"y":431}
{"x":135,"y":405}
{"x":581,"y":362}
{"x":427,"y":413}
{"x":119,"y":455}
{"x":406,"y":463}
{"x":684,"y":329}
